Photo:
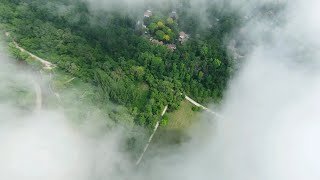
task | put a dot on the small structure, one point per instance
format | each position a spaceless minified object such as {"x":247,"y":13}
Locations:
{"x":141,"y":28}
{"x":183,"y":37}
{"x":172,"y":47}
{"x":144,"y":26}
{"x":148,"y":14}
{"x":139,"y":25}
{"x":154,"y":41}
{"x":173,"y":15}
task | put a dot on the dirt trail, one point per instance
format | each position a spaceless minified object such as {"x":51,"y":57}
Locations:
{"x":203,"y":107}
{"x":38,"y":92}
{"x":49,"y":65}
{"x":45,"y":63}
{"x":163,"y":113}
{"x":151,"y":137}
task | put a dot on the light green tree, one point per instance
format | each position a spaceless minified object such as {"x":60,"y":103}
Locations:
{"x":170,"y":21}
{"x":166,"y":37}
{"x":200,"y":75}
{"x":160,"y":24}
{"x":217,"y":63}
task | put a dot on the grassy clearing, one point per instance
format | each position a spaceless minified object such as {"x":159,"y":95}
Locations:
{"x":182,"y":118}
{"x":175,"y":132}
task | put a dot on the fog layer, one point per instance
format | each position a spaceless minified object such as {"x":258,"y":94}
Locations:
{"x":44,"y":144}
{"x":271,"y":126}
{"x":270,"y":131}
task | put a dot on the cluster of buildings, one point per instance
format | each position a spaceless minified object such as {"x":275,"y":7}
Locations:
{"x":157,"y":42}
{"x":183,"y":37}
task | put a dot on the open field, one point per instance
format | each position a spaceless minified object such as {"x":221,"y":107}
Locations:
{"x":175,"y":132}
{"x":182,"y":118}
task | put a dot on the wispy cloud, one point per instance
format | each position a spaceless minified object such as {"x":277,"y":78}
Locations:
{"x":270,"y":131}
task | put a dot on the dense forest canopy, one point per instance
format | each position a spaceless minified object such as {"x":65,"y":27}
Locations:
{"x":105,"y":48}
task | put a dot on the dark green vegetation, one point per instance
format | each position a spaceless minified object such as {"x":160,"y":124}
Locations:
{"x":79,"y":102}
{"x":104,"y":49}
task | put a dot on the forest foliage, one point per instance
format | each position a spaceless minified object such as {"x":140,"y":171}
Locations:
{"x":104,"y":49}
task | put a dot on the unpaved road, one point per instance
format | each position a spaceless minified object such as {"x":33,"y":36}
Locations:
{"x":163,"y":113}
{"x":38,"y":92}
{"x":203,"y":107}
{"x":45,"y":63}
{"x":49,"y":65}
{"x":151,"y":137}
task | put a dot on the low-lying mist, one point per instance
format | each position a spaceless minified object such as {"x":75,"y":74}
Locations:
{"x":46,"y":144}
{"x":271,"y":123}
{"x":270,"y":130}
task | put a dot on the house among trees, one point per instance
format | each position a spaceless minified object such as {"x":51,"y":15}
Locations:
{"x":157,"y":42}
{"x":172,"y":47}
{"x":173,"y":15}
{"x":141,"y":28}
{"x":148,"y":14}
{"x":183,"y":37}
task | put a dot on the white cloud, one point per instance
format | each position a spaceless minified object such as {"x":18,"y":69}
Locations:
{"x":271,"y":130}
{"x":47,"y":145}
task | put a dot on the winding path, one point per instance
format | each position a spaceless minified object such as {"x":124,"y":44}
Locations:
{"x":45,"y":63}
{"x":49,"y":65}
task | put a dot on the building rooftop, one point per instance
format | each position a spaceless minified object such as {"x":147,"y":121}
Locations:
{"x":173,"y":15}
{"x":148,"y":13}
{"x":172,"y":46}
{"x":183,"y":37}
